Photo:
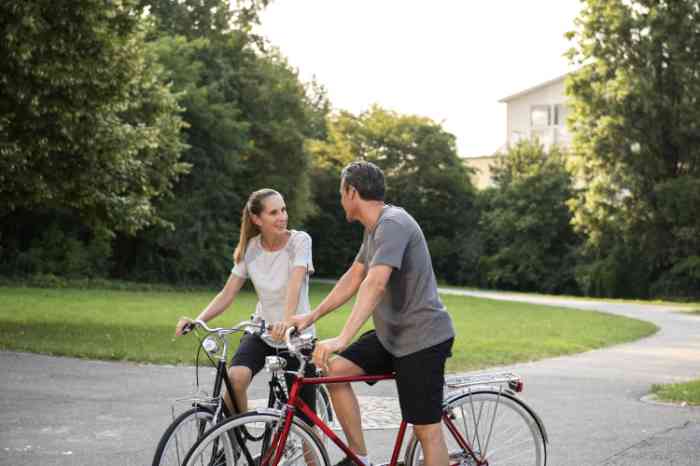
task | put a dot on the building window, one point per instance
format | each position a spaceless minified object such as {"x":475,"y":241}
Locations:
{"x":560,"y":113}
{"x":540,"y":116}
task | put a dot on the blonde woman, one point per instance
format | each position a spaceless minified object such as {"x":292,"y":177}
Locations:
{"x":278,"y":262}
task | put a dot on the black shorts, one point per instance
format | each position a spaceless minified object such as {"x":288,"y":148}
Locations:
{"x":420,"y":376}
{"x":251,"y":353}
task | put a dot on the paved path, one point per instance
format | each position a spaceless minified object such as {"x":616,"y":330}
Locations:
{"x":63,"y":411}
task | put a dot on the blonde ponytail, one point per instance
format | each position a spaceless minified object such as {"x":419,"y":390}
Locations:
{"x":254,"y":206}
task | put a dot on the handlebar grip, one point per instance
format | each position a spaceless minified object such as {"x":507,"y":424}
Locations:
{"x":188,"y":327}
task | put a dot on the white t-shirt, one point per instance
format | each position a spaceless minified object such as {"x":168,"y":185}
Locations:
{"x":270,"y":272}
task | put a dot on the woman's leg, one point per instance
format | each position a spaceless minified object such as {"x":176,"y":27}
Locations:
{"x":240,"y":377}
{"x":248,"y":360}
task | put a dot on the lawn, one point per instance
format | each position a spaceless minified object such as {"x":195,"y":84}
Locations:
{"x":138,"y":326}
{"x":687,"y":392}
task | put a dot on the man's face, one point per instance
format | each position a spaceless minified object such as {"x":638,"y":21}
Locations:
{"x":346,"y":200}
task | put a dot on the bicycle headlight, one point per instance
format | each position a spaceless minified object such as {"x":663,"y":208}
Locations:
{"x":210,"y":345}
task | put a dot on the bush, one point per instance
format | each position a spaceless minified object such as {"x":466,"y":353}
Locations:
{"x":682,"y":281}
{"x":624,"y":273}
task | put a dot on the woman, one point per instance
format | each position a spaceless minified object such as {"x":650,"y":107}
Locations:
{"x":278,"y":261}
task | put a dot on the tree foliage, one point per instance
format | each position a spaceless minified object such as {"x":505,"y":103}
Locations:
{"x":636,"y":123}
{"x":86,"y":123}
{"x":248,"y":118}
{"x":529,"y":242}
{"x":424,"y":175}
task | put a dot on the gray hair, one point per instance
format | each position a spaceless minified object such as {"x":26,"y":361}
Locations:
{"x":366,"y":178}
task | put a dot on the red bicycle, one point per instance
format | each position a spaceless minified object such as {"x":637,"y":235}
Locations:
{"x":484,"y":421}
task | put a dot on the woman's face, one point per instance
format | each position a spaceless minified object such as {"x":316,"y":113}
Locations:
{"x":273,"y":218}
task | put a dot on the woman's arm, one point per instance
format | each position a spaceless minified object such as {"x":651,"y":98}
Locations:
{"x":217,"y":305}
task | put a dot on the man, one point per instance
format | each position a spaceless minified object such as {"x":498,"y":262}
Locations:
{"x":395,"y":283}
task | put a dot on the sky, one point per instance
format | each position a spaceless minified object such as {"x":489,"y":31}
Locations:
{"x":449,"y":60}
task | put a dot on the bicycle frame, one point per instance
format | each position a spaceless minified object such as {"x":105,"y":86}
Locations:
{"x":296,"y":403}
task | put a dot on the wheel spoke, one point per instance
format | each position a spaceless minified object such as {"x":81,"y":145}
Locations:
{"x":497,"y":428}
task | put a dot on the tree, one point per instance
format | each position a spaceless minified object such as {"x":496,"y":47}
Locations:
{"x":423,"y":174}
{"x":636,"y":123}
{"x":205,"y":18}
{"x":248,"y":119}
{"x":529,"y":242}
{"x":85,"y":121}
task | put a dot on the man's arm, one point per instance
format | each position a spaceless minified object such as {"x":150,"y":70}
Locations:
{"x":370,"y":294}
{"x":343,"y":290}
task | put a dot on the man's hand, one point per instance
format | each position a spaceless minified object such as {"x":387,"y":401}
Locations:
{"x":325,"y":349}
{"x":302,"y":321}
{"x":279,"y":329}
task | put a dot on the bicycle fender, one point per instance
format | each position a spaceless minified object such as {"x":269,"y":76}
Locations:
{"x":272,"y":411}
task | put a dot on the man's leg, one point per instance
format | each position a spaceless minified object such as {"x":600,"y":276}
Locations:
{"x":420,"y":378}
{"x":345,"y":404}
{"x":433,"y":444}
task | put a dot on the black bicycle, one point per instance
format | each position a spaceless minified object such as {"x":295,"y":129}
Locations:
{"x":206,"y":411}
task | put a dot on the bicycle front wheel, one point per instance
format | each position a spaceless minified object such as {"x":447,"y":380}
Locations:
{"x":181,"y":435}
{"x":324,"y":409}
{"x":497,"y":429}
{"x":225,"y":445}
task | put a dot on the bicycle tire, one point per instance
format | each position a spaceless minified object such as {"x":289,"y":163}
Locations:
{"x":497,"y":426}
{"x":302,"y":448}
{"x":181,"y":435}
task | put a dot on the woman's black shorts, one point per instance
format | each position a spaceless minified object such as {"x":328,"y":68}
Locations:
{"x":251,"y":353}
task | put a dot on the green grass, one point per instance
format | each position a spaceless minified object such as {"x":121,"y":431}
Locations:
{"x":138,"y":325}
{"x":688,"y":392}
{"x":683,"y":306}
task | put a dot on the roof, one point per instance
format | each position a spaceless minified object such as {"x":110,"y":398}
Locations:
{"x":534,"y":88}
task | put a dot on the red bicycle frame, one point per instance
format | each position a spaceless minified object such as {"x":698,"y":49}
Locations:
{"x":296,"y":403}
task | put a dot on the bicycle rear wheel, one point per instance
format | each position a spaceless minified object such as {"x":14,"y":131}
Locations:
{"x":181,"y":435}
{"x":497,"y":427}
{"x":224,"y":445}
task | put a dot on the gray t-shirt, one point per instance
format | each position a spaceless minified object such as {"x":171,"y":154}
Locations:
{"x":410,"y":316}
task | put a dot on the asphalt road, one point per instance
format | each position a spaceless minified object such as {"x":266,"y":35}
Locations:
{"x":65,"y":411}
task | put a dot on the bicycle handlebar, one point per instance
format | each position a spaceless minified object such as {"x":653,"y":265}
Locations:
{"x":242,"y":326}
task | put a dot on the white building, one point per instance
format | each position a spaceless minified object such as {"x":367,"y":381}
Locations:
{"x":539,"y":111}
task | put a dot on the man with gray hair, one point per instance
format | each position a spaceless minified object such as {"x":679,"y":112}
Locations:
{"x":393,"y":277}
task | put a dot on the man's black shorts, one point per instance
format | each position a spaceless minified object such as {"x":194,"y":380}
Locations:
{"x":420,"y":376}
{"x":251,"y":353}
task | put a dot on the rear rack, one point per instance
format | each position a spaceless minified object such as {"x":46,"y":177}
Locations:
{"x":485,"y":378}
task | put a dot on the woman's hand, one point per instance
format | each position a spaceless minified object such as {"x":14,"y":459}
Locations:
{"x":279,"y":329}
{"x":181,"y":324}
